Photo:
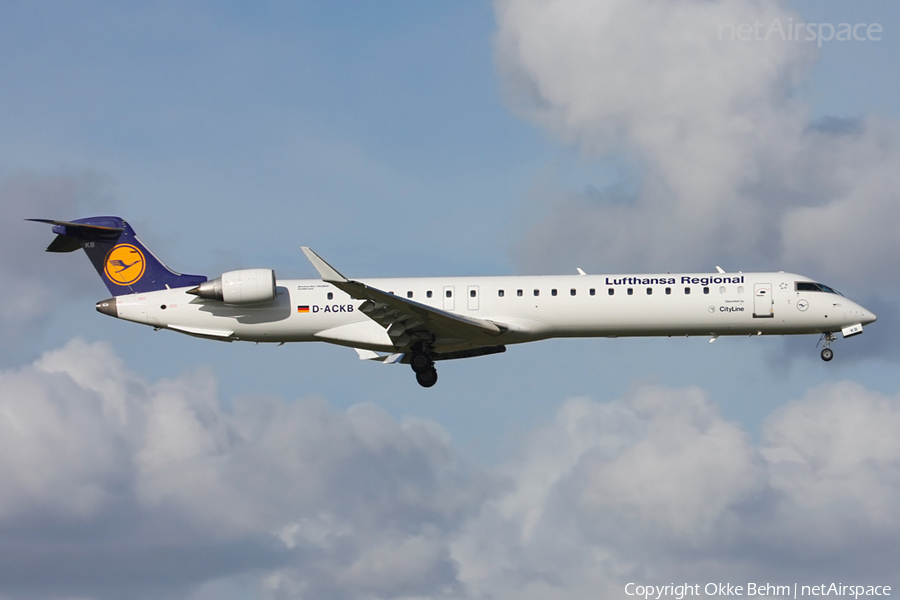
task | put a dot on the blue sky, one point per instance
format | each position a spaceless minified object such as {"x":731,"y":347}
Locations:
{"x":426,"y":139}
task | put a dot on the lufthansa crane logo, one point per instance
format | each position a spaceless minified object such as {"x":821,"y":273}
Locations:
{"x":124,"y":264}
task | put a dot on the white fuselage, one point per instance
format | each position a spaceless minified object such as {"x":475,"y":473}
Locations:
{"x":529,"y":308}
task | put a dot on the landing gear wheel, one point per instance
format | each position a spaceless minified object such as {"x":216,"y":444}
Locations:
{"x":427,"y":378}
{"x":420,"y":362}
{"x":827,"y":352}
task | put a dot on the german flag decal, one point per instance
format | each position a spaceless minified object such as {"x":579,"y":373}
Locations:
{"x":303,"y":309}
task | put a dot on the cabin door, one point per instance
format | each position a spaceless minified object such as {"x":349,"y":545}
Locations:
{"x":763,"y":303}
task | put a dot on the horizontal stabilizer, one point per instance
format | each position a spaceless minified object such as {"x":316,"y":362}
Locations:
{"x":64,"y":243}
{"x":87,"y":229}
{"x":70,"y":234}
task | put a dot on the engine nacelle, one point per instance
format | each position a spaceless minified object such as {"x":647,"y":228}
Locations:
{"x":247,"y":286}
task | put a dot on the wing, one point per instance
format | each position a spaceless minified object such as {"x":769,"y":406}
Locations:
{"x":408,"y":322}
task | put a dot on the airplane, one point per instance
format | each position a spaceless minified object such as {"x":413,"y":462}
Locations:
{"x":419,"y":321}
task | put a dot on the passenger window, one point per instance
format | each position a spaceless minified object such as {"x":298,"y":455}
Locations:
{"x":630,"y":291}
{"x":593,"y":292}
{"x":668,"y":291}
{"x":428,"y":294}
{"x":649,"y":291}
{"x":687,"y":291}
{"x":471,"y":293}
{"x":740,"y":289}
{"x":553,"y":292}
{"x":449,"y":293}
{"x":706,"y":290}
{"x":722,"y":289}
{"x":519,"y":292}
{"x":500,"y":293}
{"x":330,"y":296}
{"x":537,"y":292}
{"x":572,"y":291}
{"x":409,"y":294}
{"x":612,"y":291}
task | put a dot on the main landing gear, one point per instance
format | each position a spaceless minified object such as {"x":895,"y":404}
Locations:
{"x":827,"y":352}
{"x":423,"y":366}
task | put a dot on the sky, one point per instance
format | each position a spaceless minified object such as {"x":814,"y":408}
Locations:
{"x":475,"y":138}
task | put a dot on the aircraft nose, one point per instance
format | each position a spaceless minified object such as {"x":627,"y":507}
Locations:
{"x":868,"y":317}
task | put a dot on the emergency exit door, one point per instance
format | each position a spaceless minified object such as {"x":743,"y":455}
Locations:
{"x":472,"y":300}
{"x":449,"y":301}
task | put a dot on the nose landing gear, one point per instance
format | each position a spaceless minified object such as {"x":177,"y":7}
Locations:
{"x":827,"y":352}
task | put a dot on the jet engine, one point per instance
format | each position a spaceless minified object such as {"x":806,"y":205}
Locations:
{"x":247,"y":286}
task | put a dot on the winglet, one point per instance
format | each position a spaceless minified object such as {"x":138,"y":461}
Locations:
{"x":326,"y":271}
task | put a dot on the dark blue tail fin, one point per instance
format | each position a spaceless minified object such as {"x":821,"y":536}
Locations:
{"x":123,"y":262}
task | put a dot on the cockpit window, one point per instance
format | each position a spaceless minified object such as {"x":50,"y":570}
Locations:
{"x":809,"y":286}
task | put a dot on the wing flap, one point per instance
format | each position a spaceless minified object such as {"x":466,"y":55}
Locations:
{"x":211,"y":334}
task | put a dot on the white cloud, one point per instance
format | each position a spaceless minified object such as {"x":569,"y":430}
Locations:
{"x":657,"y":487}
{"x":139,"y":482}
{"x":730,"y":169}
{"x":94,"y":459}
{"x":836,"y":454}
{"x":848,"y":223}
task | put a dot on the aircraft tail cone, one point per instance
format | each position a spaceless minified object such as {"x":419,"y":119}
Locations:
{"x":108,"y":307}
